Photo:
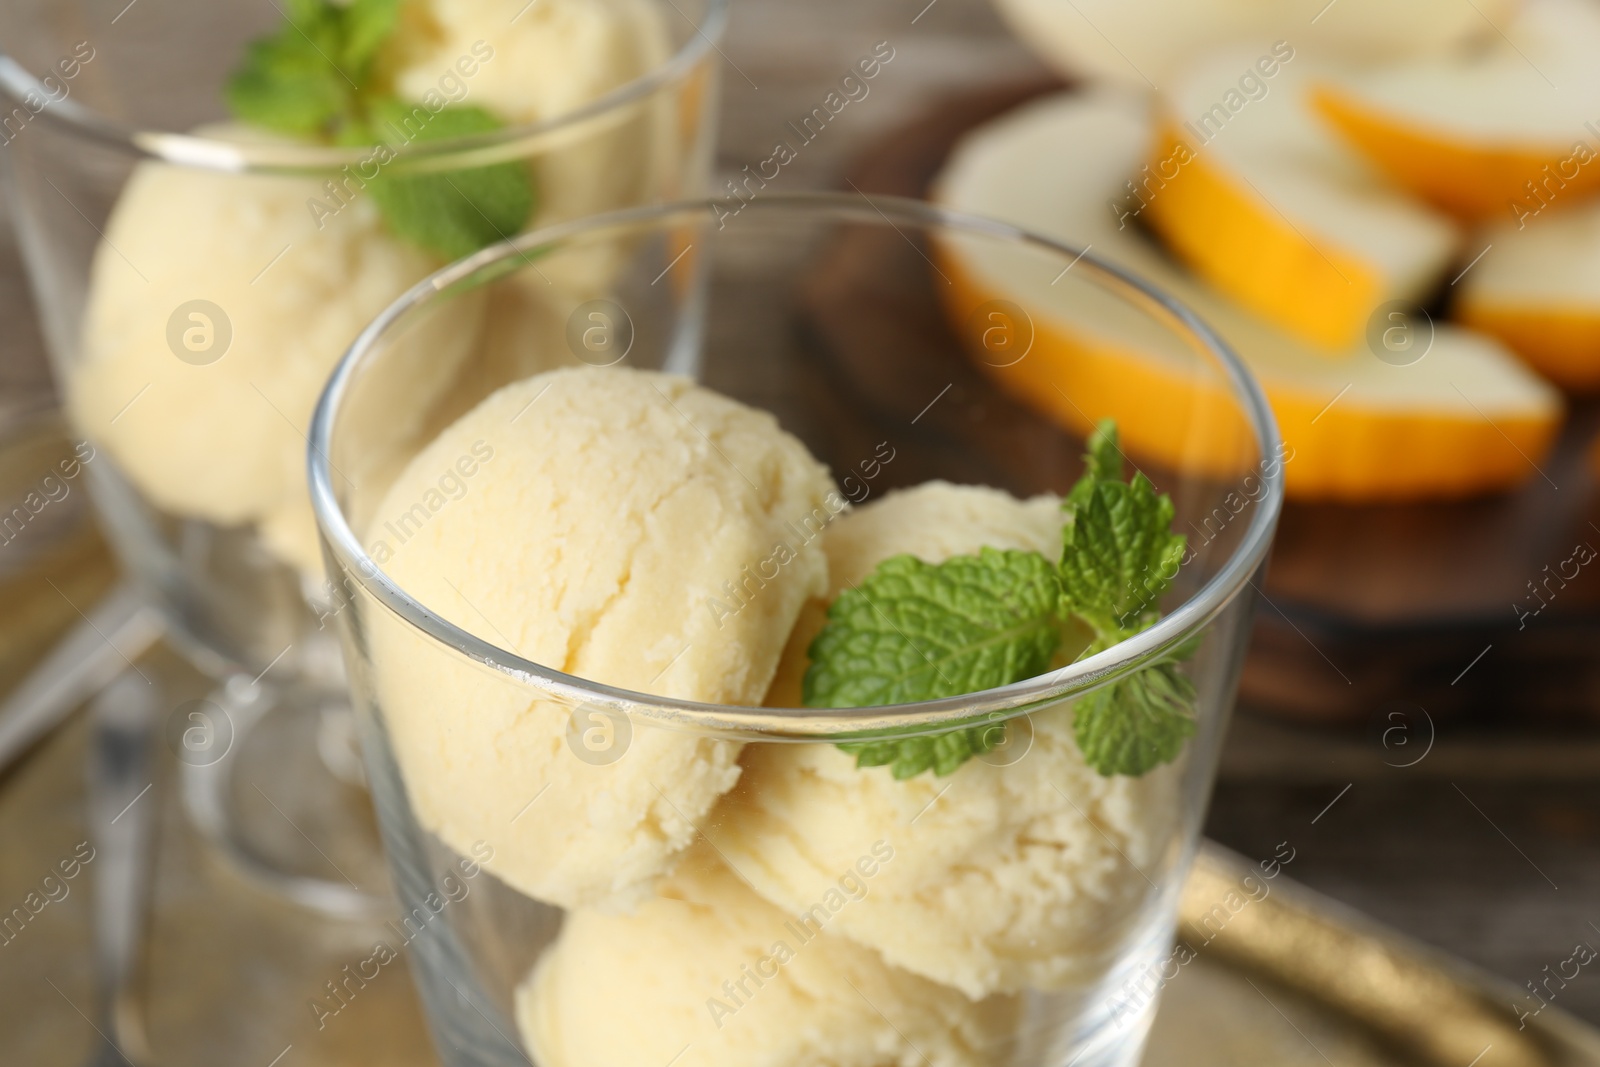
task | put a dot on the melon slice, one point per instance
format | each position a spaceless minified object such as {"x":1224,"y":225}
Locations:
{"x":1465,"y":418}
{"x":1537,"y":288}
{"x":1272,"y":209}
{"x":1145,"y":42}
{"x":1507,"y":130}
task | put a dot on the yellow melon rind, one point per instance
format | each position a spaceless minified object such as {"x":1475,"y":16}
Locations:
{"x":1233,"y":237}
{"x":1335,"y":450}
{"x":1472,"y":182}
{"x":1563,"y":344}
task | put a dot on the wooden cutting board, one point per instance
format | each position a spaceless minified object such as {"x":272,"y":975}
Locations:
{"x":1472,"y":609}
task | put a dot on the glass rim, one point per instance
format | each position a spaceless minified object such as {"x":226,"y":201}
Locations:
{"x":214,"y":153}
{"x":341,"y":543}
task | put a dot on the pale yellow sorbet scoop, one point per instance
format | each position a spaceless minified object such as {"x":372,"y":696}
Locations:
{"x":606,"y":511}
{"x":217,"y":309}
{"x":1021,"y":869}
{"x":710,"y":975}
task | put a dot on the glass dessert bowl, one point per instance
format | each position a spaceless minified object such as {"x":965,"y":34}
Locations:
{"x":761,"y":683}
{"x":198,"y":277}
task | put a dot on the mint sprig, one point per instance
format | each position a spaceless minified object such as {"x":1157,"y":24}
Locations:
{"x":1137,"y":724}
{"x":907,"y":757}
{"x":316,"y":77}
{"x":916,"y":631}
{"x":309,"y":77}
{"x":454,"y":213}
{"x":1119,"y":553}
{"x":919,"y":631}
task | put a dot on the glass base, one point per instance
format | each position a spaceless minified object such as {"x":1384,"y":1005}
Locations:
{"x":271,"y":780}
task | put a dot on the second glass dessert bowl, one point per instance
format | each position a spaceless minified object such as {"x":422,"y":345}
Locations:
{"x":661,"y":654}
{"x":198,"y":278}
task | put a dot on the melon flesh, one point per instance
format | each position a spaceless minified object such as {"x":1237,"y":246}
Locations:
{"x":1276,"y":212}
{"x":1465,"y":418}
{"x":1474,"y":131}
{"x":1537,"y":288}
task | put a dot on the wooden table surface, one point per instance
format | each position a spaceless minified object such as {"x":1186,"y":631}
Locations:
{"x":1487,"y":846}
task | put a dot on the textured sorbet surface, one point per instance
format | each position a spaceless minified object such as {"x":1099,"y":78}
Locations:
{"x":606,"y":511}
{"x":222,"y":438}
{"x":1021,"y":869}
{"x":225,"y":441}
{"x":710,"y":975}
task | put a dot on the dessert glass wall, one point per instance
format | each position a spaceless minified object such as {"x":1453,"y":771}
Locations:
{"x":599,"y":867}
{"x":198,"y":276}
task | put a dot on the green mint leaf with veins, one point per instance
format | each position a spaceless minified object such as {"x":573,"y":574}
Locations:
{"x":1119,"y":553}
{"x":1137,"y":724}
{"x":314,"y":78}
{"x":919,"y":631}
{"x":452,"y":213}
{"x":1118,"y":556}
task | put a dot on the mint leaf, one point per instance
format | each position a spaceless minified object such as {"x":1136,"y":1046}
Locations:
{"x":908,"y":757}
{"x":311,"y":76}
{"x":450,"y":213}
{"x":1102,"y":462}
{"x":1137,"y":724}
{"x":314,"y":77}
{"x":1119,"y":553}
{"x":286,"y":85}
{"x":366,"y":24}
{"x":919,"y":631}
